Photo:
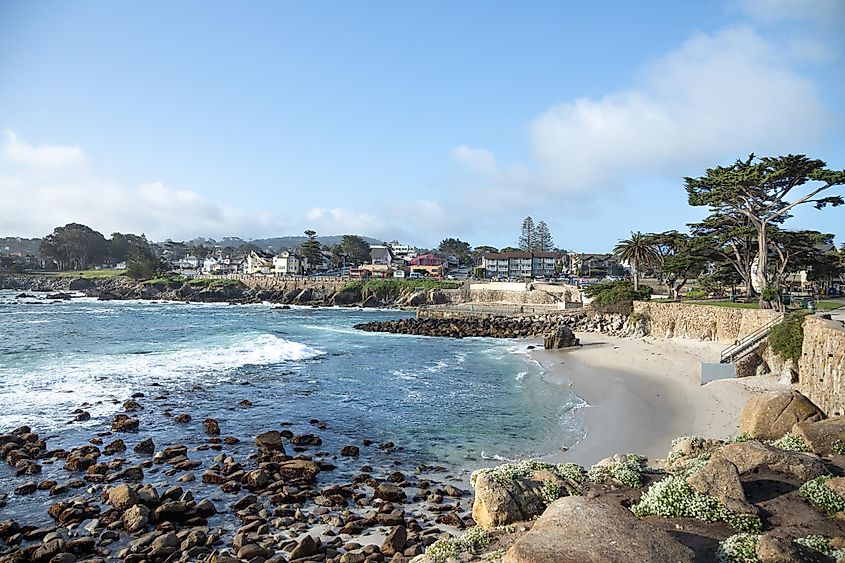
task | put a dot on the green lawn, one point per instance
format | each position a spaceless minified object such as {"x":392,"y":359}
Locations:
{"x":92,"y":274}
{"x":820,"y":305}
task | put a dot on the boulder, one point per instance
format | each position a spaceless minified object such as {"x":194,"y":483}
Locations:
{"x":720,"y":479}
{"x":211,"y":427}
{"x":124,"y":423}
{"x":306,"y":547}
{"x":389,"y":492}
{"x":581,"y":530}
{"x":122,"y":497}
{"x":395,"y":541}
{"x":135,"y":518}
{"x":770,"y":415}
{"x":562,"y":337}
{"x":270,"y":441}
{"x":518,"y":500}
{"x":822,"y":435}
{"x":298,"y":469}
{"x":753,"y":456}
{"x":774,"y":549}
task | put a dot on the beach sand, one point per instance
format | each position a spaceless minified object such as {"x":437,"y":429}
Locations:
{"x":643,"y":392}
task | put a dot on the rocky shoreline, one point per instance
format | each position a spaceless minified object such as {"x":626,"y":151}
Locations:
{"x":272,"y":497}
{"x":312,"y":294}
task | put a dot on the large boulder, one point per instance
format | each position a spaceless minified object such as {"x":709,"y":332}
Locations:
{"x":774,"y":549}
{"x":822,"y":435}
{"x":753,"y":456}
{"x":582,"y":530}
{"x":562,"y":337}
{"x":498,"y":503}
{"x":720,"y":479}
{"x":770,"y":415}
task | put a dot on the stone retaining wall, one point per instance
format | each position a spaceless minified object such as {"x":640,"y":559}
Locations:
{"x":821,"y":370}
{"x":700,"y":322}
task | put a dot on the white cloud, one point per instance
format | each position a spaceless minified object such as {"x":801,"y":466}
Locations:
{"x":17,"y":150}
{"x":34,"y":202}
{"x":717,"y":96}
{"x":824,"y":12}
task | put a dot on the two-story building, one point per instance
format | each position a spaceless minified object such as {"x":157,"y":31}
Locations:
{"x":259,"y":262}
{"x":289,"y":264}
{"x":520,"y":264}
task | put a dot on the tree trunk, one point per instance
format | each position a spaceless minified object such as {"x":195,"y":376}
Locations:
{"x":636,"y":276}
{"x":762,"y":265}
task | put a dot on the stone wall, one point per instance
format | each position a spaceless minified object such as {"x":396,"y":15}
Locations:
{"x":821,"y":370}
{"x":700,"y":322}
{"x":520,"y":293}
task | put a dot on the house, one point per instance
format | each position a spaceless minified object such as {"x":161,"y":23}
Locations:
{"x":427,"y":264}
{"x":399,"y":274}
{"x":289,"y":264}
{"x":593,"y":265}
{"x":381,"y":255}
{"x":258,"y":262}
{"x":520,"y":264}
{"x":404,"y":252}
{"x":189,"y":262}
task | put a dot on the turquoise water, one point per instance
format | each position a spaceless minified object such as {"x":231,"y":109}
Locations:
{"x":450,"y":402}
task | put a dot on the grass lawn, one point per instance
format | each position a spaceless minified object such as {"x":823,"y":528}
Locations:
{"x":820,"y":305}
{"x":92,"y":274}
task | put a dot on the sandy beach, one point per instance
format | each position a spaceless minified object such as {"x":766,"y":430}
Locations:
{"x":643,"y":392}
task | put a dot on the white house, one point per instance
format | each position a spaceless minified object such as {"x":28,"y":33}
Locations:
{"x":189,"y":262}
{"x":289,"y":264}
{"x":258,"y":262}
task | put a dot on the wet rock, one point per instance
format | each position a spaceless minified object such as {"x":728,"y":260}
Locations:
{"x":389,"y":492}
{"x":132,"y":405}
{"x":395,"y":541}
{"x":182,"y":418}
{"x":306,"y":547}
{"x":298,"y":470}
{"x":211,"y":427}
{"x":114,"y":447}
{"x":350,"y":451}
{"x":205,"y":508}
{"x":270,"y":441}
{"x":171,"y":511}
{"x":164,"y":545}
{"x":135,"y":518}
{"x":123,"y":497}
{"x":581,"y":530}
{"x":134,"y":473}
{"x":770,"y":415}
{"x":124,"y":423}
{"x":8,"y":528}
{"x":27,"y":488}
{"x":145,"y":447}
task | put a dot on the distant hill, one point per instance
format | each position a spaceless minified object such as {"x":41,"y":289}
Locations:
{"x":275,"y":243}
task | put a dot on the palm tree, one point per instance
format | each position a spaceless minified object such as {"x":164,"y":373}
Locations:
{"x":638,"y":252}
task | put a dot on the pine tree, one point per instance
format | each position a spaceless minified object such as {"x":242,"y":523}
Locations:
{"x":310,"y":250}
{"x":528,"y":238}
{"x":544,"y":238}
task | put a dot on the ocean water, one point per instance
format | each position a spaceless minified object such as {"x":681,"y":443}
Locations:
{"x":451,"y":402}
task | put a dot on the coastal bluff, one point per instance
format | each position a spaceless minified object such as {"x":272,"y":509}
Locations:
{"x":699,"y":322}
{"x":821,"y":369}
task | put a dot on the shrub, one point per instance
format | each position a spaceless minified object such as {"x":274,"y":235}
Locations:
{"x":822,"y":545}
{"x":739,"y":548}
{"x":506,"y":472}
{"x":822,"y":496}
{"x":470,"y":542}
{"x":673,"y":497}
{"x":550,"y":492}
{"x":616,"y":297}
{"x":628,"y":472}
{"x":838,"y":447}
{"x":696,"y":294}
{"x":791,"y":442}
{"x":787,"y":338}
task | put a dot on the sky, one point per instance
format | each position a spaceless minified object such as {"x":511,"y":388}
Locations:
{"x":399,"y":120}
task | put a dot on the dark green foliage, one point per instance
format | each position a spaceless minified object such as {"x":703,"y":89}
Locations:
{"x":142,"y":263}
{"x":310,"y":250}
{"x":787,"y":338}
{"x":353,"y":250}
{"x":75,"y":246}
{"x":616,"y":297}
{"x":456,"y":247}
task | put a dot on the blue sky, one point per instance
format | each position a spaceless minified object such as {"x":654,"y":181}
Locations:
{"x":399,"y":120}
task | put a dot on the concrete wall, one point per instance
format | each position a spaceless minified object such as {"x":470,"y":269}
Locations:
{"x":821,"y":370}
{"x":701,"y":322}
{"x":516,"y":293}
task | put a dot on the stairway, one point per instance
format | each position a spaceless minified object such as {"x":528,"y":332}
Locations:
{"x":748,"y":343}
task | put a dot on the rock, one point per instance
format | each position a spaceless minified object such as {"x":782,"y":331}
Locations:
{"x":26,"y":489}
{"x":770,"y":415}
{"x":306,"y":547}
{"x":115,"y":447}
{"x":516,"y":501}
{"x":205,"y":508}
{"x":395,"y":541}
{"x":822,"y":435}
{"x":390,"y":492}
{"x":773,"y":549}
{"x":48,"y":550}
{"x":250,"y":551}
{"x":135,"y":518}
{"x":298,"y":470}
{"x":164,"y":545}
{"x":145,"y":447}
{"x":754,"y":456}
{"x":350,"y":451}
{"x":720,"y":479}
{"x":182,"y":418}
{"x":581,"y":530}
{"x":563,"y":337}
{"x":124,"y":423}
{"x":211,"y":427}
{"x":123,"y":497}
{"x":270,"y":441}
{"x":8,"y":528}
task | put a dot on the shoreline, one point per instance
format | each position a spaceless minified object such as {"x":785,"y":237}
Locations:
{"x":641,"y":393}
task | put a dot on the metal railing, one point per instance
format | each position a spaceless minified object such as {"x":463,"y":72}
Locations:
{"x":744,"y":345}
